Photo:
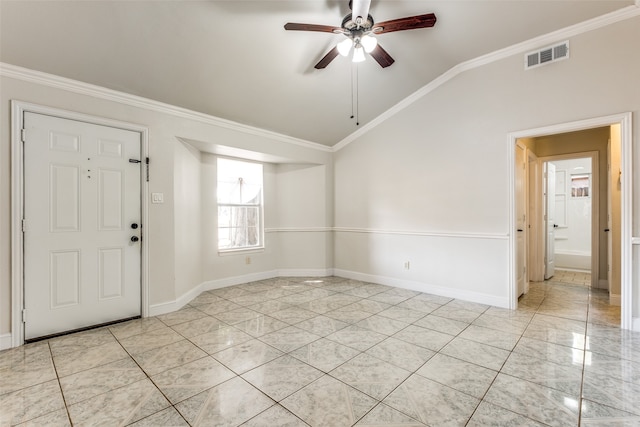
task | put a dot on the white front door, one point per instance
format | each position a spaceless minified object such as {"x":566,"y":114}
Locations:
{"x":82,"y":225}
{"x":521,"y":223}
{"x":550,"y":214}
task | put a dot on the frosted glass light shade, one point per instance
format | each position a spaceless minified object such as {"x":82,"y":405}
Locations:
{"x":369,"y":43}
{"x":344,"y":47}
{"x":358,"y":54}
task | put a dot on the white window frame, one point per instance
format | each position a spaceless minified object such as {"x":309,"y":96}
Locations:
{"x":260,"y":205}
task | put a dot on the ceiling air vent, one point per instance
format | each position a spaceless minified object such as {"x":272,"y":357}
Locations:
{"x":546,"y":55}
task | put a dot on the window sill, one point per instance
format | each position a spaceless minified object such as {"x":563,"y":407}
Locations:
{"x":230,"y":252}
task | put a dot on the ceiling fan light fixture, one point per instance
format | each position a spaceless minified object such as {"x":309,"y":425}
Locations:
{"x":368,"y":43}
{"x":344,"y":47}
{"x":358,"y":54}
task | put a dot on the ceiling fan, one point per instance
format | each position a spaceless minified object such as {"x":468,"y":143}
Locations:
{"x":358,"y":27}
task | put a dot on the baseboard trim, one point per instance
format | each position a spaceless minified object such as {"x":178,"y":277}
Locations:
{"x":615,"y":299}
{"x":178,"y":303}
{"x":425,"y":287}
{"x":603,"y":284}
{"x":635,"y":324}
{"x":6,"y":341}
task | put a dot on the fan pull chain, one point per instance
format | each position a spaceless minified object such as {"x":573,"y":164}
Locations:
{"x":352,"y":92}
{"x":355,"y":100}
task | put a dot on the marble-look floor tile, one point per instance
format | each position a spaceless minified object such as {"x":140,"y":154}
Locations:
{"x":442,"y":324}
{"x":137,"y":344}
{"x":401,"y":353}
{"x":504,"y":324}
{"x":419,"y":304}
{"x":219,"y":307}
{"x":607,"y":391}
{"x":348,"y":314}
{"x":370,"y":375}
{"x":356,"y":337}
{"x":480,"y":354}
{"x":70,"y":363}
{"x":329,"y":402}
{"x":167,"y":418}
{"x":565,"y":378}
{"x":120,"y":406}
{"x":268,"y":307}
{"x":228,"y":404}
{"x":489,"y":414}
{"x":406,"y":315}
{"x":289,"y":339}
{"x":282,"y":377}
{"x":239,"y":315}
{"x":58,"y":418}
{"x":551,"y":352}
{"x":369,"y":306}
{"x":220,"y":339}
{"x":556,"y":336}
{"x":457,"y":313}
{"x":185,"y":314}
{"x":187,"y":380}
{"x":199,"y":326}
{"x":170,"y":356}
{"x":293,"y":315}
{"x":324,"y":354}
{"x":383,"y":415}
{"x":321,"y":325}
{"x":330,"y":303}
{"x":423,"y":337}
{"x":80,"y":341}
{"x":261,"y":325}
{"x":366,"y":291}
{"x":542,"y":321}
{"x":543,"y":404}
{"x":275,"y":416}
{"x":596,"y":414}
{"x":29,"y":403}
{"x":205,"y":298}
{"x":447,"y":407}
{"x":25,"y":354}
{"x":22,"y":370}
{"x":251,"y":298}
{"x":619,"y":369}
{"x":382,"y":325}
{"x":135,"y":327}
{"x":504,"y":340}
{"x":458,"y":374}
{"x":246,"y":356}
{"x":505,"y":313}
{"x":92,"y":382}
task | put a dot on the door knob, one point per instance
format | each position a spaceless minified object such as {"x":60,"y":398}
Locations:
{"x":134,"y":225}
{"x":606,"y":230}
{"x":134,"y":239}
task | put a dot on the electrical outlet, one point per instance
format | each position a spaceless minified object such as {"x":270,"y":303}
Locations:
{"x":407,"y":265}
{"x":247,"y":260}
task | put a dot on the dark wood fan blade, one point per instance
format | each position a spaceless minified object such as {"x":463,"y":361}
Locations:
{"x":408,"y":23}
{"x":382,"y":57}
{"x":311,"y":27}
{"x":330,"y":56}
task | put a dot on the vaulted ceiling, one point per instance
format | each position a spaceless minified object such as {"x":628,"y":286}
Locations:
{"x":233,"y":59}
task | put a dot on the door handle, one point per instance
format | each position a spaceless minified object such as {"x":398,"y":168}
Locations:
{"x":134,"y":225}
{"x":555,"y":225}
{"x":134,"y":239}
{"x":606,"y":230}
{"x":520,"y":230}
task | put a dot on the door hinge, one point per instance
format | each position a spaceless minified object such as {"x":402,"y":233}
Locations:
{"x":24,"y":225}
{"x":24,"y":315}
{"x":23,"y":135}
{"x":146,"y":161}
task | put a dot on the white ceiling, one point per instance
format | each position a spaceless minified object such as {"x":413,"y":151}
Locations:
{"x":233,"y":59}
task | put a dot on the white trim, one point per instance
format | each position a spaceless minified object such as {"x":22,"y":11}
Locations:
{"x":181,"y":301}
{"x":298,"y":230}
{"x":423,"y":233}
{"x":635,"y":240}
{"x":425,"y":287}
{"x":550,"y":38}
{"x":38,"y":77}
{"x":625,"y":121}
{"x":615,"y":299}
{"x":18,"y":108}
{"x":636,"y":321}
{"x":6,"y":341}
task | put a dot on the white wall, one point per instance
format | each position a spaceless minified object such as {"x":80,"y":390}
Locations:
{"x":440,"y":165}
{"x":573,"y":216}
{"x":177,"y":265}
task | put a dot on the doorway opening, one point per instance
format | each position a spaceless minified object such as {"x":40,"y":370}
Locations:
{"x":530,"y":151}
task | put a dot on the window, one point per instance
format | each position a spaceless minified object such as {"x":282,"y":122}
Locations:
{"x":239,"y":205}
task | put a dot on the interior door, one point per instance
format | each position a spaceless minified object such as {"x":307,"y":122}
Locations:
{"x":610,"y":192}
{"x":82,"y":225}
{"x":521,"y":208}
{"x":550,"y":214}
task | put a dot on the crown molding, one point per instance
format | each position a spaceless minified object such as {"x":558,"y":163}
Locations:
{"x":57,"y":82}
{"x":526,"y":46}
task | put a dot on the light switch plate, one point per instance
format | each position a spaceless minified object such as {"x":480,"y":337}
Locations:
{"x":157,"y":197}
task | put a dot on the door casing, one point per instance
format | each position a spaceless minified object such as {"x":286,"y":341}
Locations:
{"x":625,"y":120}
{"x":18,"y":108}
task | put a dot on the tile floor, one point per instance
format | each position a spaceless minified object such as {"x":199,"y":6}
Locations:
{"x":336,"y":352}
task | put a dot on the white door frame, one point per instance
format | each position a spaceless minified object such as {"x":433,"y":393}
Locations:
{"x":595,"y":203}
{"x":18,"y":108}
{"x":625,"y":121}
